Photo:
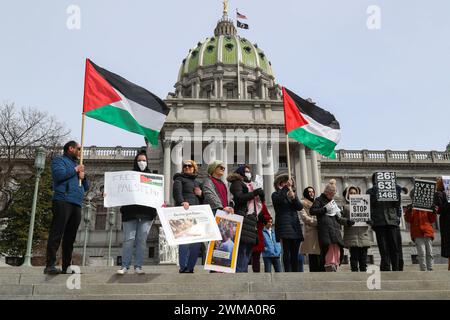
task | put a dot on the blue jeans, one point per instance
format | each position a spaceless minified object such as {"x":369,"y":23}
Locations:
{"x":188,"y":255}
{"x":269,"y":261}
{"x":301,"y":262}
{"x":135,"y":232}
{"x":244,"y":255}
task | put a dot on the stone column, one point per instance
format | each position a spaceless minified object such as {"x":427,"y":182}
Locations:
{"x":259,"y":160}
{"x":178,"y":156}
{"x":216,"y":88}
{"x":268,"y":187}
{"x":166,"y":169}
{"x":315,"y":172}
{"x":303,"y":167}
{"x":197,"y":89}
{"x":224,"y":145}
{"x":220,"y":88}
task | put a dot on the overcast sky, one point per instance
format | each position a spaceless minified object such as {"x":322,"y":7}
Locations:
{"x":389,"y":87}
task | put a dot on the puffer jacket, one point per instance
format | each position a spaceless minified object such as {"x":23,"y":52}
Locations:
{"x":287,"y":223}
{"x":183,"y":189}
{"x":241,"y":196}
{"x":66,"y":185}
{"x":384,"y":213}
{"x":420,"y":223}
{"x":272,"y":248}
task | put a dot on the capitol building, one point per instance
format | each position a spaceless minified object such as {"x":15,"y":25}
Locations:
{"x":227,"y":105}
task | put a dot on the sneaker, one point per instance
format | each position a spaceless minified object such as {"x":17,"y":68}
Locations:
{"x":122,"y":271}
{"x":139,"y":270}
{"x":52,"y":270}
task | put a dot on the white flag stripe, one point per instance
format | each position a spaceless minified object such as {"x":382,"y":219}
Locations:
{"x":319,"y":129}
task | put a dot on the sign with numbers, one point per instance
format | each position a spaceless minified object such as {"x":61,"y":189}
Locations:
{"x":360,"y":209}
{"x":385,"y":183}
{"x":424,"y":195}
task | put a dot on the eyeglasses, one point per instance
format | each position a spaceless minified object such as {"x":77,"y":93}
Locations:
{"x":187,"y":166}
{"x":221,"y":168}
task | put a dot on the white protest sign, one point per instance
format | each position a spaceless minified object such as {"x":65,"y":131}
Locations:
{"x":194,"y":225}
{"x":131,"y":187}
{"x":332,"y":208}
{"x":259,"y":182}
{"x":360,"y":209}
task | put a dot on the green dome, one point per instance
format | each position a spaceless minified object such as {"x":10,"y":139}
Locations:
{"x":225,"y":49}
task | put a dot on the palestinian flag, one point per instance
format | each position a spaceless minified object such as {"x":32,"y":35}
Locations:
{"x":115,"y":100}
{"x":307,"y":123}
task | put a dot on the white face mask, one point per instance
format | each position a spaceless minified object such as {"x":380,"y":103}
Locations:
{"x":142,"y":165}
{"x":248,"y":175}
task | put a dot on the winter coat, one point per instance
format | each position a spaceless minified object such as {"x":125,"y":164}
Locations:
{"x":272,"y":248}
{"x":210,"y":195}
{"x":440,"y":200}
{"x":384,"y":213}
{"x":329,"y":227}
{"x":287,"y":223}
{"x":355,"y":236}
{"x":420,"y":223}
{"x":311,"y":243}
{"x":183,"y":189}
{"x":134,"y":212}
{"x":66,"y":185}
{"x":262,"y":218}
{"x":241,"y":196}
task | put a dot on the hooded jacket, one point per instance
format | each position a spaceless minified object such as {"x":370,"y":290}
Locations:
{"x":354,"y":236}
{"x":133,"y":212}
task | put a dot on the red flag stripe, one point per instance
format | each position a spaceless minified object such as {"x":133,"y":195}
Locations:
{"x":293,"y":119}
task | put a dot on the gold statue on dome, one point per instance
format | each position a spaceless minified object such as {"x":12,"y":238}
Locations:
{"x":225,"y":7}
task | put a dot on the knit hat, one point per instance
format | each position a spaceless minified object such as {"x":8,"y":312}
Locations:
{"x":213,"y":166}
{"x":281,"y":177}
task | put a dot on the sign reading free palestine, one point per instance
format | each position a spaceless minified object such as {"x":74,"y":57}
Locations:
{"x":131,"y":187}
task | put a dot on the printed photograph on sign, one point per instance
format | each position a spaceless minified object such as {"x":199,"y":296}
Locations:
{"x":222,"y":254}
{"x":423,"y":195}
{"x":194,"y":225}
{"x":360,"y":209}
{"x":386,"y":182}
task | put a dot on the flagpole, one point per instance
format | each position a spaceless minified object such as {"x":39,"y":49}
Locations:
{"x":83,"y":117}
{"x":288,"y":157}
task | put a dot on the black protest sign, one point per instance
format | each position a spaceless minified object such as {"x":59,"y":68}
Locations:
{"x":385,"y":183}
{"x":423,"y":195}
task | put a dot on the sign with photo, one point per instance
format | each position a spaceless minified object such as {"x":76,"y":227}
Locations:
{"x":385,"y":183}
{"x":424,"y":195}
{"x":360,"y":209}
{"x":131,"y":187}
{"x":222,"y":254}
{"x":194,"y":225}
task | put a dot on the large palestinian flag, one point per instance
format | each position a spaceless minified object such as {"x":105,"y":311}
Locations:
{"x":115,"y":100}
{"x":307,"y":123}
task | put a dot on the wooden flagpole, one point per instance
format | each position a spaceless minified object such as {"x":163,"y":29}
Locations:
{"x":83,"y":118}
{"x":288,"y":157}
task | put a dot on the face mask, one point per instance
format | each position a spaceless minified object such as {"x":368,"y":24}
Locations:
{"x":142,"y":165}
{"x":248,"y":175}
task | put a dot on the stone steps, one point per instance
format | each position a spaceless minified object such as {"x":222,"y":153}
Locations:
{"x":163,"y":282}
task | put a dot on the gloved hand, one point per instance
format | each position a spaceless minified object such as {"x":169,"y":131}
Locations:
{"x":350,"y":223}
{"x":259,"y":192}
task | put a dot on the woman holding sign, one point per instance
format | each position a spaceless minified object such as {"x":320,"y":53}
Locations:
{"x":137,"y":221}
{"x":357,"y":239}
{"x":186,"y":192}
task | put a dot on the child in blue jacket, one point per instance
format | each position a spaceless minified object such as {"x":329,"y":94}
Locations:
{"x":272,"y":249}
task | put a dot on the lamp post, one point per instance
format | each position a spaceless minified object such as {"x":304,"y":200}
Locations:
{"x":39,"y":164}
{"x":87,"y":223}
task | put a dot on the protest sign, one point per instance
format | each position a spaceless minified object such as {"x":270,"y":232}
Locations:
{"x":386,"y":186}
{"x":194,"y":225}
{"x":131,"y":187}
{"x":259,"y":182}
{"x":332,"y":208}
{"x":446,"y":180}
{"x":360,"y":209}
{"x":222,"y":254}
{"x":424,"y":195}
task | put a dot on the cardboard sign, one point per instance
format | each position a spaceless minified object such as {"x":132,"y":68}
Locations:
{"x":360,"y":209}
{"x":385,"y":183}
{"x":424,"y":195}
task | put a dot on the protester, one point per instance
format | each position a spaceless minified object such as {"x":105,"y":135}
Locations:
{"x":310,"y":246}
{"x":442,"y":207}
{"x":215,"y":192}
{"x":187,"y":192}
{"x":246,"y":204}
{"x":272,"y":248}
{"x":385,"y":222}
{"x":287,"y":228}
{"x":356,"y":239}
{"x":263,"y":216}
{"x":137,"y":221}
{"x":329,"y":221}
{"x":68,"y":196}
{"x":422,"y":234}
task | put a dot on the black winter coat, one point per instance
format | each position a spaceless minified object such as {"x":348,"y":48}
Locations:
{"x":384,"y":213}
{"x":134,"y":212}
{"x":183,"y":189}
{"x":329,"y":228}
{"x":440,"y":200}
{"x":287,"y":223}
{"x":241,"y":196}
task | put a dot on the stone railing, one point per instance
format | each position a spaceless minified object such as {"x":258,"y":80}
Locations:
{"x":388,"y":156}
